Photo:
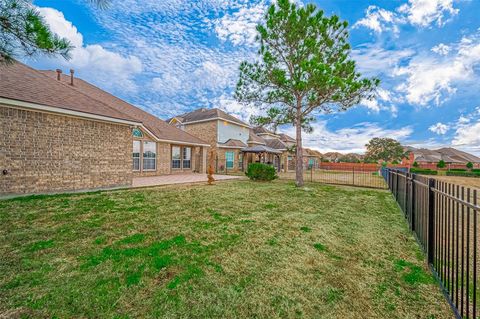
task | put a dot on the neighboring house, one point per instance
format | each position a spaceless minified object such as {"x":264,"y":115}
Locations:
{"x":59,"y":133}
{"x":235,"y":143}
{"x":448,"y":155}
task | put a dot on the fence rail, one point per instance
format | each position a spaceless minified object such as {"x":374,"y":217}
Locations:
{"x":351,"y":177}
{"x":443,"y":217}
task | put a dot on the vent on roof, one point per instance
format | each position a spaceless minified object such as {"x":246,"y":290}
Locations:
{"x":59,"y":74}
{"x":71,"y":76}
{"x":203,"y":109}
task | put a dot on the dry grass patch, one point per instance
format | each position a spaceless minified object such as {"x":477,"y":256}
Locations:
{"x":234,"y":250}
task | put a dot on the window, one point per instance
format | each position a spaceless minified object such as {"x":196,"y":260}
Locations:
{"x":187,"y":156}
{"x":136,"y":155}
{"x":176,"y":157}
{"x":229,"y":156}
{"x":149,"y":156}
{"x":137,"y":133}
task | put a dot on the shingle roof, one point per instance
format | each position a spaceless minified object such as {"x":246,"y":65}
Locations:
{"x":275,"y":143}
{"x":233,"y":143}
{"x":286,"y":138}
{"x":255,"y":139}
{"x":22,"y":83}
{"x":158,"y":127}
{"x":458,"y":155}
{"x":262,"y":130}
{"x":204,"y":114}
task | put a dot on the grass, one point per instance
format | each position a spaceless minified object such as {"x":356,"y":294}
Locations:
{"x":234,"y":250}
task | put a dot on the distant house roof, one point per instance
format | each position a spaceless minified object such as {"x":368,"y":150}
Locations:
{"x":156,"y":126}
{"x":449,"y":155}
{"x":21,"y":83}
{"x":203,"y":115}
{"x":276,"y":143}
{"x":233,"y":143}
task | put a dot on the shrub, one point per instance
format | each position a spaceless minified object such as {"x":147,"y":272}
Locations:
{"x":476,"y":170}
{"x":469,"y":165}
{"x":458,"y":170}
{"x":261,"y":172}
{"x":415,"y":164}
{"x":423,"y":171}
{"x":441,"y":164}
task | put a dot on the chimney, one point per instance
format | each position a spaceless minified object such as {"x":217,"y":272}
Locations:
{"x":71,"y":76}
{"x":59,"y":73}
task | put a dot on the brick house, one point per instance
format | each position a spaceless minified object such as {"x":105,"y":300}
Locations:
{"x":59,"y":133}
{"x":236,"y":144}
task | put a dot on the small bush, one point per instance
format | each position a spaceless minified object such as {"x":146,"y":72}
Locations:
{"x":441,"y":164}
{"x":415,"y":164}
{"x":261,"y":172}
{"x":476,"y":170}
{"x":458,"y":170}
{"x":469,"y":165}
{"x":423,"y":171}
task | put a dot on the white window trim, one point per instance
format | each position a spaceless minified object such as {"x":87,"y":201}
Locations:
{"x":150,"y":158}
{"x":139,"y":158}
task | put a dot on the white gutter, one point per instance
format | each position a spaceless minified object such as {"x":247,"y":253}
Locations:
{"x":234,"y":147}
{"x":215,"y":119}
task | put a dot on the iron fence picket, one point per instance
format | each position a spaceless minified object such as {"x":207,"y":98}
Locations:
{"x":443,"y":218}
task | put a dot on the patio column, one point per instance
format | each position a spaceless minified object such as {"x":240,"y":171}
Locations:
{"x":204,"y":159}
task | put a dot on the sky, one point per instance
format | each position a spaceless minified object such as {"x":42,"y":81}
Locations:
{"x":173,"y":56}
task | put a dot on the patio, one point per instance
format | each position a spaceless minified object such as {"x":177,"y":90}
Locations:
{"x":176,"y":179}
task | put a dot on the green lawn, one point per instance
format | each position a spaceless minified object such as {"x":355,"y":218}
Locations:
{"x":234,"y":250}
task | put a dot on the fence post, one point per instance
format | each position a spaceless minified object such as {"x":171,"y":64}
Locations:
{"x":353,"y":171}
{"x":412,"y":200}
{"x":396,"y":185}
{"x":311,"y":174}
{"x":431,"y":220}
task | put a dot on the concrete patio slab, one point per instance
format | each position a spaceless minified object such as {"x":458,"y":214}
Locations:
{"x":177,"y":179}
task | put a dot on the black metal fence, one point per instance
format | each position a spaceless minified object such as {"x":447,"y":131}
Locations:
{"x":349,"y":177}
{"x":443,"y":217}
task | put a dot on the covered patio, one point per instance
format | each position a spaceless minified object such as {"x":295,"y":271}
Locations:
{"x":263,"y":154}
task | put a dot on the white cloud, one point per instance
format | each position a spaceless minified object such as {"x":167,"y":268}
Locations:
{"x":441,"y":49}
{"x":439,"y":128}
{"x":92,"y":62}
{"x":468,"y":135}
{"x":373,"y":59}
{"x":425,"y":12}
{"x":378,"y":20}
{"x":240,"y":26}
{"x":421,"y":13}
{"x":434,"y":78}
{"x":351,"y":139}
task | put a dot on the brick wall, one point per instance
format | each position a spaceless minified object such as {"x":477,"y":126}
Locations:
{"x":51,"y":153}
{"x":206,"y":131}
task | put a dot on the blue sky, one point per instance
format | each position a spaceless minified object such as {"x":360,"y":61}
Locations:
{"x":172,"y":56}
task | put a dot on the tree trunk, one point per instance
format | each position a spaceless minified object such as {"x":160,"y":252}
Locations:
{"x":299,"y":155}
